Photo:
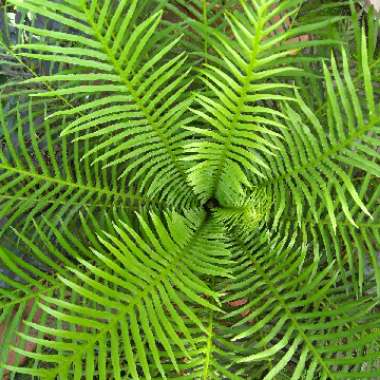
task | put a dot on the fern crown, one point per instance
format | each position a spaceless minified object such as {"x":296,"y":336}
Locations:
{"x":189,"y":190}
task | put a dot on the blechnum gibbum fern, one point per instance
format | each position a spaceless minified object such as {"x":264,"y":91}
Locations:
{"x":189,"y":190}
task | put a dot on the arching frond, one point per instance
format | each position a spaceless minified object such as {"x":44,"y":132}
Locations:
{"x":133,"y":106}
{"x":116,"y":308}
{"x":290,"y":317}
{"x":42,"y":176}
{"x":354,"y":248}
{"x":319,"y":157}
{"x":30,"y":272}
{"x":237,"y":119}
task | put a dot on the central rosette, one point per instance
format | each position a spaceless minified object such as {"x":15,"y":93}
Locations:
{"x":246,"y":213}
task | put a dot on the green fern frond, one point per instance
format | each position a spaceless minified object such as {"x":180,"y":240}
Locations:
{"x":354,"y":248}
{"x":238,"y":119}
{"x":316,"y":154}
{"x":29,"y":274}
{"x":40,"y":176}
{"x":120,"y":301}
{"x":288,"y":317}
{"x":143,"y":102}
{"x":189,"y":190}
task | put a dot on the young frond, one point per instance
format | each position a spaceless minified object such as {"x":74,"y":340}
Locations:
{"x":246,"y":215}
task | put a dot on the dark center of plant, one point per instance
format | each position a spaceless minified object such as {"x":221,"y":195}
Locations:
{"x":210,"y":205}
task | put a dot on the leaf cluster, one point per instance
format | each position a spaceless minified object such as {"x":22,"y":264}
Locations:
{"x":189,"y":190}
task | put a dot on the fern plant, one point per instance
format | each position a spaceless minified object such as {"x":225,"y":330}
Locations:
{"x":189,"y":190}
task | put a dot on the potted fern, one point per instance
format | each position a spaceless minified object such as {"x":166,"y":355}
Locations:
{"x":189,"y":190}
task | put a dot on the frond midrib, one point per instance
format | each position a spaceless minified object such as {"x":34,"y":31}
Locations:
{"x":239,"y":108}
{"x":136,"y":97}
{"x":34,"y":74}
{"x":209,"y":346}
{"x":53,"y":285}
{"x":273,"y":289}
{"x":53,"y":282}
{"x":125,"y":310}
{"x":61,"y":202}
{"x":66,"y":183}
{"x":329,"y":153}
